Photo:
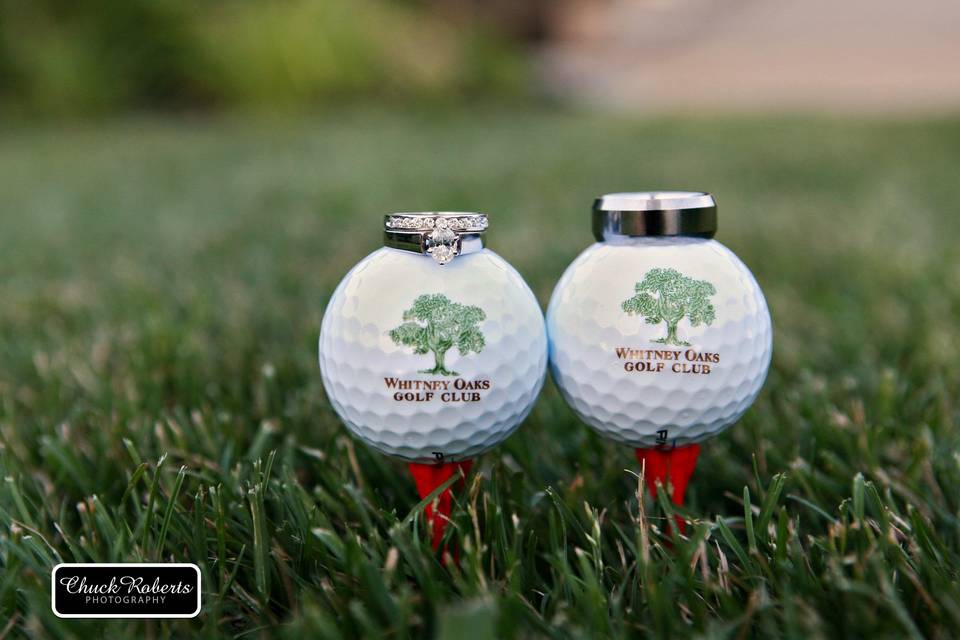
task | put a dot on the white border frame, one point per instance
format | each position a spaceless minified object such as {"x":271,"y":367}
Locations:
{"x":53,"y":591}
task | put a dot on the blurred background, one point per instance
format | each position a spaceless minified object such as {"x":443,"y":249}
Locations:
{"x":183,"y":184}
{"x":95,"y":57}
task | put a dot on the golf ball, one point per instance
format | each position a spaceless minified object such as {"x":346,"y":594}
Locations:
{"x":658,"y":341}
{"x":432,"y":363}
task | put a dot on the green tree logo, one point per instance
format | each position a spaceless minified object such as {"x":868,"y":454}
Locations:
{"x":666,"y":295}
{"x":436,"y":324}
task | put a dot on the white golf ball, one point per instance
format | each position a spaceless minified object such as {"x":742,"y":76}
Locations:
{"x":432,"y":363}
{"x":659,"y":340}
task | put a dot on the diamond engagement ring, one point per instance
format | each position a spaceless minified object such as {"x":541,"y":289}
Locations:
{"x":441,"y":235}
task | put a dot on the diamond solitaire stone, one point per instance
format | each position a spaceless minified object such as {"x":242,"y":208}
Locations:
{"x":442,"y":254}
{"x":442,"y":242}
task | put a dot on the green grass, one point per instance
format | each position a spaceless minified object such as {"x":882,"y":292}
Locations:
{"x":161,"y":290}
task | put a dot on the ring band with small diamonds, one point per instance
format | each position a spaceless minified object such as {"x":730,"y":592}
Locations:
{"x":457,"y":222}
{"x":442,"y":236}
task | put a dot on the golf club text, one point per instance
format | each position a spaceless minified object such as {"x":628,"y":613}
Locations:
{"x":457,"y":390}
{"x":659,"y":360}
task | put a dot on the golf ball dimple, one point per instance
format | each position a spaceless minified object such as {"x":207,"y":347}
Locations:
{"x":427,"y":362}
{"x":659,"y":340}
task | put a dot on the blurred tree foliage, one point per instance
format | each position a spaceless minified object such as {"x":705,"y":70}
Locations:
{"x":100,"y":56}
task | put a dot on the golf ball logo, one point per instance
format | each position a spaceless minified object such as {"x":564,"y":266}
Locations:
{"x":435,"y":324}
{"x":667,"y":296}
